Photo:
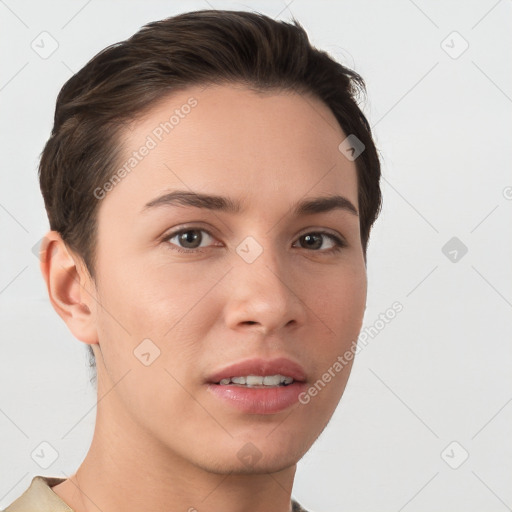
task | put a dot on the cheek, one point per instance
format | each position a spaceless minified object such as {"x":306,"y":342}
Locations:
{"x":337,"y":309}
{"x":171,"y":305}
{"x":340,"y":300}
{"x":150,"y":297}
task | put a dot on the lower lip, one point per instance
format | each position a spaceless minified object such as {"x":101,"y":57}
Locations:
{"x":259,"y":400}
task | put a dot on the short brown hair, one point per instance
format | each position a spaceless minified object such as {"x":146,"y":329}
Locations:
{"x":195,"y":48}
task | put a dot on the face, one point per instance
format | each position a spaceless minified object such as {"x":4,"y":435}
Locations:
{"x":183,"y":292}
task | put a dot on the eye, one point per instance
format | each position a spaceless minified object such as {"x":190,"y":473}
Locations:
{"x":315,"y":241}
{"x":189,"y":241}
{"x":190,"y":238}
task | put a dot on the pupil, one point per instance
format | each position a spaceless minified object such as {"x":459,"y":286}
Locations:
{"x":309,"y":238}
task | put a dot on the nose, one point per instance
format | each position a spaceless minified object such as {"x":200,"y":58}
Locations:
{"x":264,"y":295}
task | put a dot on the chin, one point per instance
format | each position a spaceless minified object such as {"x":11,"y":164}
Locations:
{"x":253,"y":457}
{"x":262,"y":467}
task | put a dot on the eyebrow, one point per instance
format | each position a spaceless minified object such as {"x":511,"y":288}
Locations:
{"x":308,"y":206}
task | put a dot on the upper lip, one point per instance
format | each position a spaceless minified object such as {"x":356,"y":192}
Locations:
{"x":263,"y":367}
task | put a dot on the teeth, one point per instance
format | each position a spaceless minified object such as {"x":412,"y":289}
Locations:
{"x":253,"y":380}
{"x":257,"y":380}
{"x":271,"y":380}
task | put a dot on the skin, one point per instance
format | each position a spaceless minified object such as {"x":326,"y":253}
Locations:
{"x":161,"y":441}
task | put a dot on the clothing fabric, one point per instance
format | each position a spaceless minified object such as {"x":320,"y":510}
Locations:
{"x":39,"y":497}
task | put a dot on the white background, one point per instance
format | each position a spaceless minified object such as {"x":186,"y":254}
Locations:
{"x":439,"y":372}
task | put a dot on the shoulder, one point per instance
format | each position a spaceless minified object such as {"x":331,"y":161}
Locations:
{"x":39,"y":497}
{"x":297,"y":507}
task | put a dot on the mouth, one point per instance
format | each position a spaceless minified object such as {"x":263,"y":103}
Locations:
{"x":259,"y":386}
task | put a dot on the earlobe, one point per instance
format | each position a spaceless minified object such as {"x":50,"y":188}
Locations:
{"x":70,"y":288}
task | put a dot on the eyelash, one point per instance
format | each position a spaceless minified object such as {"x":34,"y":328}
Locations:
{"x":339,"y":243}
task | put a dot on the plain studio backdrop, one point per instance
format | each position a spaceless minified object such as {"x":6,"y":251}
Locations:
{"x":424,"y":423}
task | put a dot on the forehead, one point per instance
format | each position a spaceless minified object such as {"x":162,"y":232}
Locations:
{"x":275,"y":146}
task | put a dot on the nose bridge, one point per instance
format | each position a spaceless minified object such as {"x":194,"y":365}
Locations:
{"x":262,"y":292}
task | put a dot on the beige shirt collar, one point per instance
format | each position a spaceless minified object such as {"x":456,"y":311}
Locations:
{"x":39,"y":497}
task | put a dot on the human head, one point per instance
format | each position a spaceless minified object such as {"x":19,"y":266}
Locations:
{"x":96,"y":108}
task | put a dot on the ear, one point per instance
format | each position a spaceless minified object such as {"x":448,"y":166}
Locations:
{"x":70,"y":288}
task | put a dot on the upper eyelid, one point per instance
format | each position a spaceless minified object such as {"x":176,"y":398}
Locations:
{"x":172,"y":234}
